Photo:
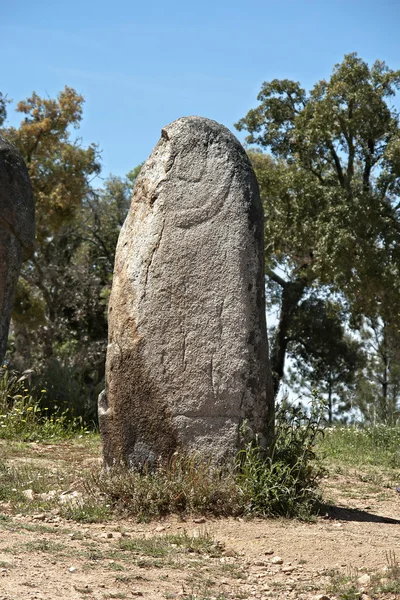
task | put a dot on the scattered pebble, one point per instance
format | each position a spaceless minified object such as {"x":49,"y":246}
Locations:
{"x":28,"y":494}
{"x":229,"y":552}
{"x":72,"y":569}
{"x":364,"y":579}
{"x":288,"y":569}
{"x":277,"y":560}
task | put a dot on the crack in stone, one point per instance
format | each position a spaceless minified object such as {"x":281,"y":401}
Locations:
{"x":215,"y":387}
{"x":241,"y":422}
{"x":184,"y":352}
{"x":149,"y":265}
{"x":6,"y":225}
{"x":212,"y":375}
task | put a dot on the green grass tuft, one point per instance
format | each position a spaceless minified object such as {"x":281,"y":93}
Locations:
{"x":362,"y":446}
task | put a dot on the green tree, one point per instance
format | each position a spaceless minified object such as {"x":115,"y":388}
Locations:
{"x":61,"y":171}
{"x":323,"y":354}
{"x":3,"y":108}
{"x":378,"y":394}
{"x":330,"y":190}
{"x":59,"y":318}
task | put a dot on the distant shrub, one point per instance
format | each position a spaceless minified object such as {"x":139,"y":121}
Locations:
{"x":22,"y":415}
{"x":67,"y":391}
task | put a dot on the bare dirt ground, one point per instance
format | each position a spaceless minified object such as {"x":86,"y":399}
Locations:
{"x":45,"y":557}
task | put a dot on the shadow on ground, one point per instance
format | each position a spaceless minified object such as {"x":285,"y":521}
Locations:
{"x":339,"y":513}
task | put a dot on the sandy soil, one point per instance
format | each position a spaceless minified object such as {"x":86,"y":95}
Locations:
{"x":44,"y":557}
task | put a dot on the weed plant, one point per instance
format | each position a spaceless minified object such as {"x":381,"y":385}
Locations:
{"x":23,"y":417}
{"x":184,"y":484}
{"x":284,"y":483}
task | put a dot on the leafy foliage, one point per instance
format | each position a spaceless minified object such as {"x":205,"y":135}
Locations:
{"x":323,"y":355}
{"x":285,"y":483}
{"x":378,"y":392}
{"x":59,"y":325}
{"x":330,"y":191}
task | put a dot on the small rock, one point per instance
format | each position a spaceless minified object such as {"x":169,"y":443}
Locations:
{"x":288,"y":569}
{"x":277,"y":560}
{"x":365,"y":597}
{"x":40,"y":517}
{"x":28,"y":494}
{"x":364,"y":579}
{"x":70,"y":497}
{"x":72,"y":569}
{"x":48,"y":496}
{"x":125,"y":534}
{"x":229,"y":552}
{"x":269,"y":551}
{"x":160,"y":528}
{"x":320,"y":597}
{"x":199,"y":520}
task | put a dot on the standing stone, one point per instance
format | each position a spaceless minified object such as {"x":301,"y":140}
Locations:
{"x":17,"y":229}
{"x":187,"y":360}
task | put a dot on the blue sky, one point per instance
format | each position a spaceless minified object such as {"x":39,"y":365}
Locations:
{"x":140,"y":65}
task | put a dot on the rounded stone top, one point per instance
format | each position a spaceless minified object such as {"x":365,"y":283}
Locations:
{"x":186,"y":130}
{"x":17,"y":207}
{"x":193,"y":157}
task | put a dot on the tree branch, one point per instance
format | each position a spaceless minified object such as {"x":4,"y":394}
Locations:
{"x":338,"y":165}
{"x":275,"y":277}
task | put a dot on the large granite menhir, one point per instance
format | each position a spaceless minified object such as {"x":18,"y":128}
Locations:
{"x":187,"y":359}
{"x":17,"y":229}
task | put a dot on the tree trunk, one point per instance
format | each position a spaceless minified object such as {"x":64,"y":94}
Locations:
{"x":292,"y":293}
{"x":330,"y":408}
{"x":21,"y":359}
{"x":385,"y":379}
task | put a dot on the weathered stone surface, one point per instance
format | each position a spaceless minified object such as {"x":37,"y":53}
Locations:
{"x":187,"y":360}
{"x":17,"y":229}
